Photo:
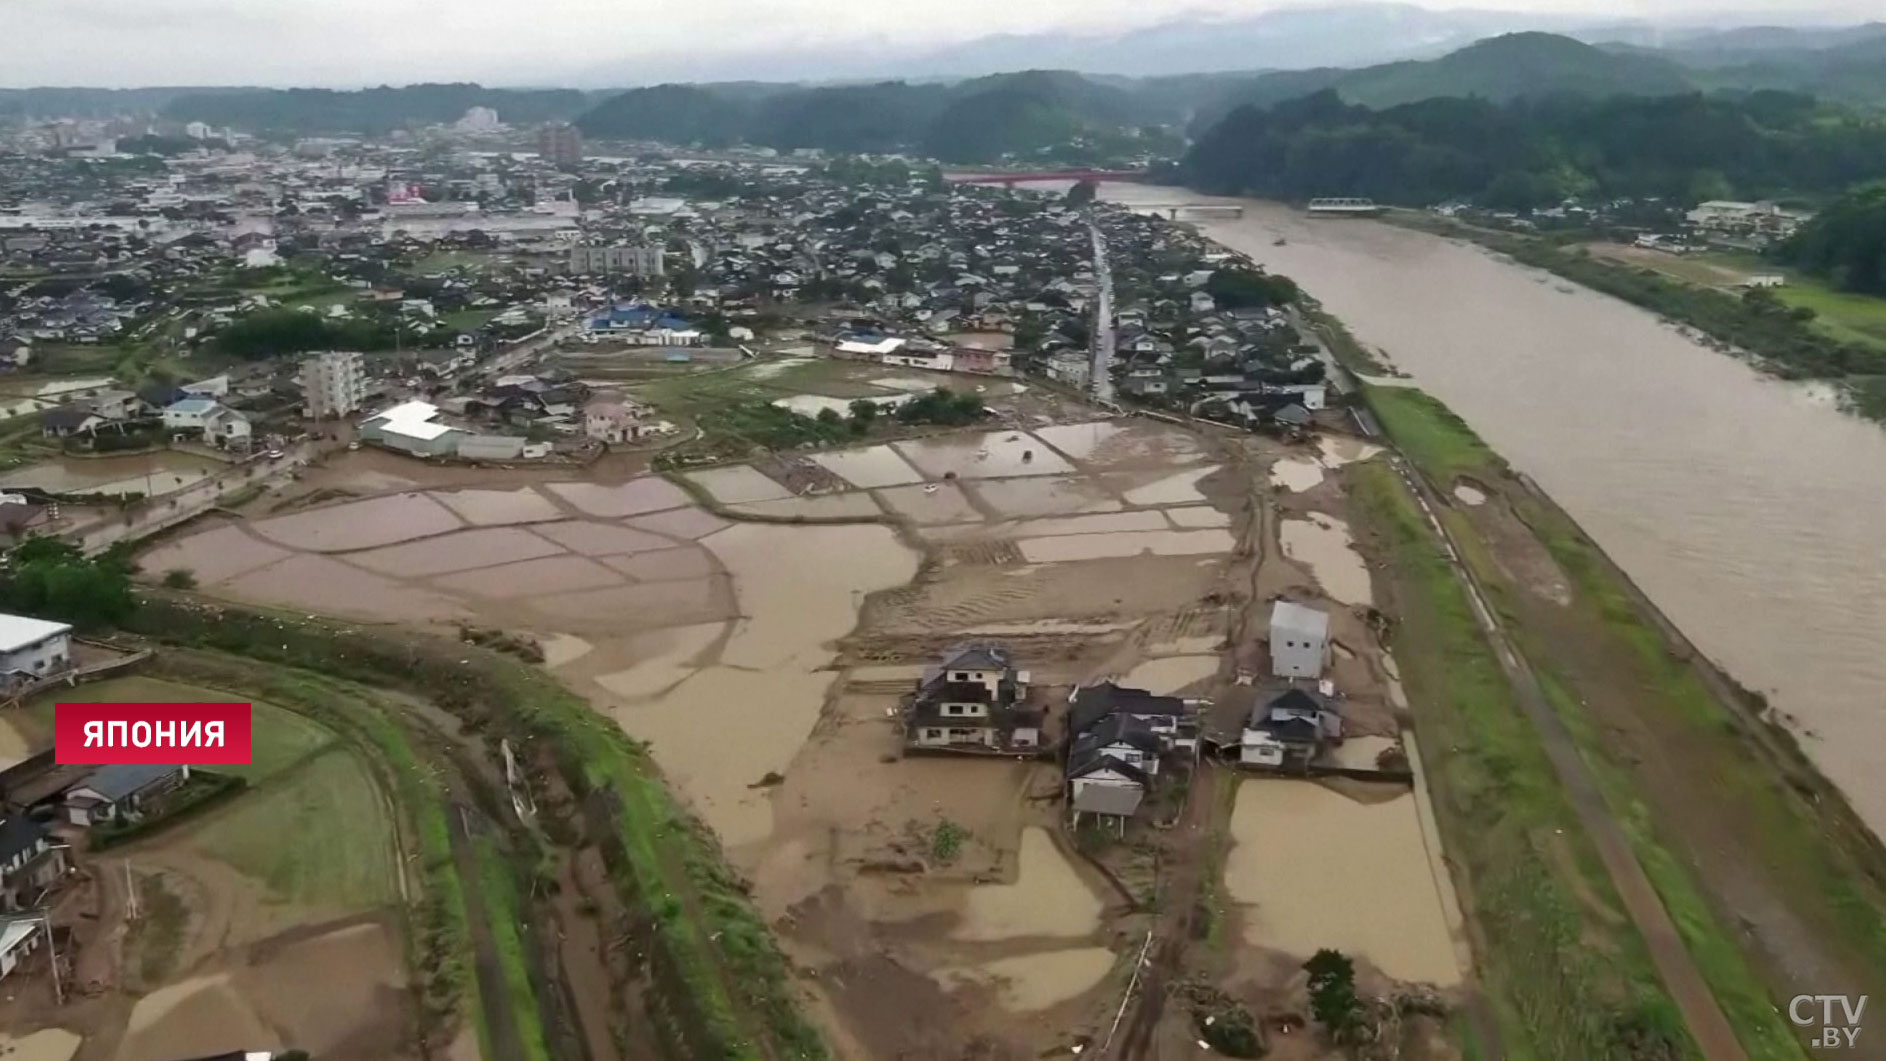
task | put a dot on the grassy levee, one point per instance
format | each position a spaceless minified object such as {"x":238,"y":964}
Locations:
{"x":721,"y":987}
{"x":1687,"y":747}
{"x":498,"y":879}
{"x":1567,"y":975}
{"x":440,"y":949}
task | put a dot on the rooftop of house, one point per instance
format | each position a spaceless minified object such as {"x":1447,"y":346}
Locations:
{"x":1090,"y":704}
{"x":20,"y":631}
{"x":1299,"y":619}
{"x":119,"y":780}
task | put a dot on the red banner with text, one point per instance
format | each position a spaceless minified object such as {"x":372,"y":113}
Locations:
{"x":176,"y":734}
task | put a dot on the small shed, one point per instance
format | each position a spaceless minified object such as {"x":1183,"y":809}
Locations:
{"x":1299,"y":640}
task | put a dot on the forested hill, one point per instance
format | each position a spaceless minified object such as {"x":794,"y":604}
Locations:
{"x":369,"y":112}
{"x":975,"y":121}
{"x":1846,"y":242}
{"x":1532,"y":152}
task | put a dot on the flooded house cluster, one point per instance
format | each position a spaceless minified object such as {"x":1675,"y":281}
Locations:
{"x":1110,"y":739}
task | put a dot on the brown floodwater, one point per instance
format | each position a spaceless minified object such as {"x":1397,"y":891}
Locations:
{"x":601,"y":539}
{"x":1710,"y":484}
{"x":1313,"y":868}
{"x":945,"y":504}
{"x":689,"y":523}
{"x":324,"y":584}
{"x":995,"y":455}
{"x":853,"y":505}
{"x":739,"y":482}
{"x":1047,"y":898}
{"x":1178,"y":489}
{"x":150,"y":474}
{"x":213,"y":555}
{"x":360,"y":524}
{"x":550,"y":574}
{"x":484,"y":547}
{"x":1322,"y":544}
{"x":663,"y":565}
{"x":876,"y":466}
{"x":1068,"y":547}
{"x":649,"y":493}
{"x":498,"y":507}
{"x":1056,"y":496}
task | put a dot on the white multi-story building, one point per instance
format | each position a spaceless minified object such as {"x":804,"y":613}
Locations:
{"x":333,"y":384}
{"x":32,"y":648}
{"x":635,"y":261}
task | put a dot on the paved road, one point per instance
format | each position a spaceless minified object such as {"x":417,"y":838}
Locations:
{"x":1100,"y":373}
{"x":1681,"y":978}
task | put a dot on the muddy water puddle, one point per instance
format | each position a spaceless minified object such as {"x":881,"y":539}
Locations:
{"x":1072,"y":547}
{"x":1361,"y":753}
{"x":1339,"y":450}
{"x":826,"y":506}
{"x":936,"y":503}
{"x":667,"y":657}
{"x":1470,"y":496}
{"x":1194,"y":517}
{"x":601,"y":539}
{"x":995,"y":455}
{"x":1165,"y":677}
{"x":1081,"y":441}
{"x":645,"y":604}
{"x":1102,"y":523}
{"x":738,"y":483}
{"x":877,"y":466}
{"x":1029,"y":982}
{"x":1047,"y":898}
{"x":550,"y":574}
{"x":663,"y":565}
{"x":688,"y":523}
{"x":1315,"y":869}
{"x":1178,"y":489}
{"x":485,"y":547}
{"x":561,"y":649}
{"x":1322,"y":544}
{"x":52,"y":1044}
{"x":1056,"y":496}
{"x":1296,"y":474}
{"x":360,"y":524}
{"x":487,"y":508}
{"x":648,"y":493}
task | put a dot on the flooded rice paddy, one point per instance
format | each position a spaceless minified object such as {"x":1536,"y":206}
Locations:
{"x":1312,"y":868}
{"x":993,"y":455}
{"x":1322,"y":544}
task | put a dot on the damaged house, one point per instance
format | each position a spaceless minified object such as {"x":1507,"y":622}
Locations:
{"x":974,"y":699}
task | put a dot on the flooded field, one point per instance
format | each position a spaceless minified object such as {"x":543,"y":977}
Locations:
{"x":877,"y":466}
{"x":1313,"y":869}
{"x":1067,"y":547}
{"x":1322,"y":544}
{"x":1297,"y":474}
{"x":994,"y":455}
{"x":762,"y":661}
{"x":150,"y":474}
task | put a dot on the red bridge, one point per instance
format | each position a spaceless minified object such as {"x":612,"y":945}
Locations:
{"x":1013,"y":177}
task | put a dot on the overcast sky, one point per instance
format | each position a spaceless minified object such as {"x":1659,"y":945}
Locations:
{"x":346,"y":43}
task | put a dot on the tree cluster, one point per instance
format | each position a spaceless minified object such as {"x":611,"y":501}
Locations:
{"x":1536,"y":152}
{"x":1845,"y":243}
{"x":47,"y":577}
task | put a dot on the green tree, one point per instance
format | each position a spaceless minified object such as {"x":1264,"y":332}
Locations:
{"x":1333,"y":1000}
{"x":52,"y":578}
{"x":1083,"y":193}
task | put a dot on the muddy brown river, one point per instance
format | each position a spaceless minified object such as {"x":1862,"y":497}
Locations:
{"x":1750,"y":510}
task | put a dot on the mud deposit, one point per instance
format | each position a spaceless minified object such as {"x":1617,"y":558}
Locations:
{"x":1321,"y":543}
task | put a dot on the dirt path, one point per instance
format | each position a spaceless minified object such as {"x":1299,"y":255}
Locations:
{"x":1678,"y":970}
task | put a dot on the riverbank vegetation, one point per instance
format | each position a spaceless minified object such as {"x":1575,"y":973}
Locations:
{"x":1567,"y":975}
{"x":1730,"y":822}
{"x":1784,"y":340}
